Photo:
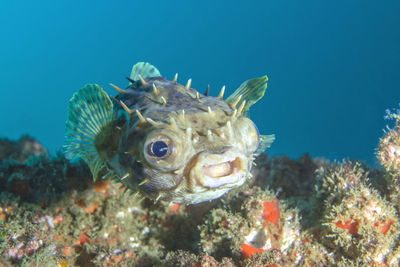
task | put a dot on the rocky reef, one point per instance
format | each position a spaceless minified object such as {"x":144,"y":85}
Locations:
{"x":305,"y":212}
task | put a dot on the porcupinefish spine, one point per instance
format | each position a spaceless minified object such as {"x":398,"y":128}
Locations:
{"x":90,"y":110}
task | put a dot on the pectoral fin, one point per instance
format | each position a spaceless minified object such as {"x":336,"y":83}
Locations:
{"x":265,"y":142}
{"x":90,"y":110}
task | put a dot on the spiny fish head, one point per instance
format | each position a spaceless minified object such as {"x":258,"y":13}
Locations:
{"x":200,"y":155}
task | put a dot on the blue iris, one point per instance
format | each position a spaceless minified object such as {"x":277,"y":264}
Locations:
{"x":159,"y":148}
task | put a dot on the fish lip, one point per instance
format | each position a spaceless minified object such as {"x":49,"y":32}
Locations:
{"x":220,"y":169}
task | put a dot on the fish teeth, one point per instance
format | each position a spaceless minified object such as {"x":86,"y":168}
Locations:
{"x":218,"y":170}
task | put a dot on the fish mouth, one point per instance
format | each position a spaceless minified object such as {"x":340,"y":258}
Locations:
{"x":221,"y":169}
{"x":212,"y":170}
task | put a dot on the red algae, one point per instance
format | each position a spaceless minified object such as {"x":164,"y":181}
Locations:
{"x":386,"y":226}
{"x":174,"y":208}
{"x":271,"y":212}
{"x":248,"y":251}
{"x":351,"y":225}
{"x":83,"y":238}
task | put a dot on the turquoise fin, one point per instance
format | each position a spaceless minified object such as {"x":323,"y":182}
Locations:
{"x":251,"y":90}
{"x":146,"y":70}
{"x":89,"y":111}
{"x":265,"y":142}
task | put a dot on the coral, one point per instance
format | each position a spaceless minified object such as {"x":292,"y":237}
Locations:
{"x":389,"y":146}
{"x":222,"y":233}
{"x":294,"y":180}
{"x":388,"y":154}
{"x":25,"y":231}
{"x":186,"y":259}
{"x":305,"y":212}
{"x":359,"y":221}
{"x":389,"y":151}
{"x":262,"y":230}
{"x":272,"y":225}
{"x":40,"y":180}
{"x":21,"y":150}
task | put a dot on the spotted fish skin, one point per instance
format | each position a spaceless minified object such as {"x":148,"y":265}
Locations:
{"x":167,"y":140}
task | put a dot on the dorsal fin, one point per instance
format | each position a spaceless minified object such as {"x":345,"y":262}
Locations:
{"x":146,"y":70}
{"x":90,"y":110}
{"x":251,"y":90}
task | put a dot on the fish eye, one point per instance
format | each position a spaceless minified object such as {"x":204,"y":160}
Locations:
{"x":158,"y":149}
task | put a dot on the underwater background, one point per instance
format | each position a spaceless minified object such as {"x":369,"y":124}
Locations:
{"x":332,"y":66}
{"x":333,"y":73}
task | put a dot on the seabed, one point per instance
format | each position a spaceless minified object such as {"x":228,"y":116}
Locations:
{"x":304,"y":212}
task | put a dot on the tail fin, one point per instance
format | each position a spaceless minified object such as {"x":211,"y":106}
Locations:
{"x":89,"y":111}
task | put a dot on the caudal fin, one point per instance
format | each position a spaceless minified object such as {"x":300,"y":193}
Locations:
{"x":89,"y":111}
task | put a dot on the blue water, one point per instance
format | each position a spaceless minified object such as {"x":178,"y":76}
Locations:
{"x":333,"y":66}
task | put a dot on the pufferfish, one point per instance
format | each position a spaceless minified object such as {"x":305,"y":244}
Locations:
{"x":164,"y":139}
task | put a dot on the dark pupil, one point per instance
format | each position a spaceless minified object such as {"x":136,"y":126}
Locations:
{"x":159,"y":148}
